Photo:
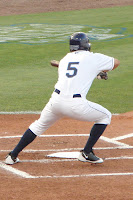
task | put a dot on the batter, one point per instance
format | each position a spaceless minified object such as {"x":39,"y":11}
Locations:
{"x":76,"y":72}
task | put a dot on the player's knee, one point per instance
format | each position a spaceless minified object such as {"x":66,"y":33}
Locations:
{"x":37,"y":128}
{"x":108,"y":118}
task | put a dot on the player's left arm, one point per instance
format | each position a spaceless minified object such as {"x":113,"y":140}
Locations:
{"x":116,"y":64}
{"x":104,"y":75}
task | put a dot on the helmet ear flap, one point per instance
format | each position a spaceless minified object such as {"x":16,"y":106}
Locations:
{"x":74,"y":45}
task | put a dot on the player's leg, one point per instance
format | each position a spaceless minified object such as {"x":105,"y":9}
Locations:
{"x":47,"y":118}
{"x":89,"y":111}
{"x":26,"y":139}
{"x":102,"y":118}
{"x":95,"y":133}
{"x":87,"y":153}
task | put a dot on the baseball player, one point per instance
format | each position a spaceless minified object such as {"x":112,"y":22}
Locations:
{"x":76,"y":72}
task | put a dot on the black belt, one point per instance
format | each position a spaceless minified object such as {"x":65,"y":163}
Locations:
{"x":74,"y":96}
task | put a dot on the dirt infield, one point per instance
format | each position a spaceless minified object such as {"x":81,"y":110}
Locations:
{"x":15,"y":7}
{"x":58,"y":178}
{"x":38,"y":177}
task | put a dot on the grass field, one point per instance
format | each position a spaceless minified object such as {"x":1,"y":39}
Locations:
{"x":29,"y":42}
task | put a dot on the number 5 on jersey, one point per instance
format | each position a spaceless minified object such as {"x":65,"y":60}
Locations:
{"x":72,"y":68}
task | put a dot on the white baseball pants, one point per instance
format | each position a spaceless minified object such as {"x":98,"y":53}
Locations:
{"x":60,"y":106}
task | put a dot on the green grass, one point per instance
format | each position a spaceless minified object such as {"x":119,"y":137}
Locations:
{"x":27,"y":79}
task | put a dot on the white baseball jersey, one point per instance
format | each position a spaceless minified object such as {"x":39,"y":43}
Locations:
{"x":76,"y":72}
{"x":78,"y":69}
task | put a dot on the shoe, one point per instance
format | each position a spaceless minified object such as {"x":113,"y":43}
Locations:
{"x":89,"y":157}
{"x":10,"y":160}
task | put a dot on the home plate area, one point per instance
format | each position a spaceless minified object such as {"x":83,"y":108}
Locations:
{"x":63,"y":162}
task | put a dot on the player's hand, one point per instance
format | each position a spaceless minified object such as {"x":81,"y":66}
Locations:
{"x":102,"y":75}
{"x":54,"y":63}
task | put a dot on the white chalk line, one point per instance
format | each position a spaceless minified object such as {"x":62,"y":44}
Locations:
{"x":43,"y":136}
{"x":26,"y":175}
{"x":15,"y":171}
{"x":123,"y":137}
{"x":119,"y":158}
{"x":68,"y":160}
{"x":109,"y":140}
{"x":10,"y":137}
{"x":69,"y":149}
{"x":20,"y":112}
{"x":23,"y":174}
{"x":85,"y":175}
{"x":28,"y":112}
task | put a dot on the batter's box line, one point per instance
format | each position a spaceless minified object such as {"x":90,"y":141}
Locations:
{"x":113,"y":141}
{"x":109,"y":140}
{"x":26,"y":175}
{"x":69,"y":149}
{"x":86,"y":175}
{"x":123,"y":137}
{"x":23,"y":174}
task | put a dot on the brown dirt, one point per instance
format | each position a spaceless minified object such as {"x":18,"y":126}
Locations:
{"x":108,"y":187}
{"x":15,"y":7}
{"x":80,"y":188}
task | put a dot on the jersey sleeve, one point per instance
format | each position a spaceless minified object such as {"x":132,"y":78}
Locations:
{"x":105,"y":62}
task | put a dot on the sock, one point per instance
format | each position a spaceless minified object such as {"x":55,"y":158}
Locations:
{"x":26,"y":139}
{"x":95,"y":134}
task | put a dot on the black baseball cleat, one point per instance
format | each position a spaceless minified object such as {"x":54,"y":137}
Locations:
{"x":90,"y":157}
{"x":10,"y":159}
